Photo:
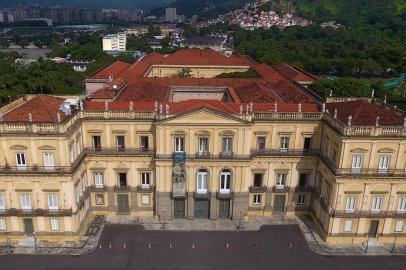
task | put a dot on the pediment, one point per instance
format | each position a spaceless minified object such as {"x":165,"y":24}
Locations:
{"x":386,"y":150}
{"x":359,"y":150}
{"x":204,"y":116}
{"x":46,"y":147}
{"x":18,"y":147}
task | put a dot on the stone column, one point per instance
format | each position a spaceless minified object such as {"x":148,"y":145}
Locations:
{"x":190,"y":201}
{"x":214,"y":205}
{"x":164,"y":205}
{"x":240,"y":205}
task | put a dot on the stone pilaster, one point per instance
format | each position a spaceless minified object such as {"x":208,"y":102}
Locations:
{"x":240,"y":205}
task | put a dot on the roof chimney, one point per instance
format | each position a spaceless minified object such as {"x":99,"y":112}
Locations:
{"x":160,"y":108}
{"x":349,"y":120}
{"x":299,"y":107}
{"x":131,"y":106}
{"x":335,"y":113}
{"x":106,"y":105}
{"x":81,"y":105}
{"x":58,"y":117}
{"x":251,"y":107}
{"x":372,"y":93}
{"x":331,"y":93}
{"x":323,"y":107}
{"x":167,"y":109}
{"x":276,"y":106}
{"x":156,"y":106}
{"x":377,"y":121}
{"x":384,"y":101}
{"x":241,"y":109}
{"x":30,"y":117}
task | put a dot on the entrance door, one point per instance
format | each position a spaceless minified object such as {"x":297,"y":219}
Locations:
{"x":279,"y":203}
{"x":179,"y":208}
{"x":122,"y":203}
{"x":373,"y":228}
{"x":28,"y":226}
{"x":224,"y":208}
{"x":202,"y":208}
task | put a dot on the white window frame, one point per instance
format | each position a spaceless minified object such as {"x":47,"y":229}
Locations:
{"x":52,"y":201}
{"x":284,"y":144}
{"x":179,"y":144}
{"x":54,"y":223}
{"x":348,"y":225}
{"x":402,"y":205}
{"x":258,"y":143}
{"x":3,"y":224}
{"x":226,"y":176}
{"x":301,"y":199}
{"x":2,"y":202}
{"x":49,"y":161}
{"x":145,"y":179}
{"x":25,"y":200}
{"x":356,"y":163}
{"x":202,"y":181}
{"x":377,"y":202}
{"x":350,"y":204}
{"x":281,"y":180}
{"x":384,"y":162}
{"x":99,"y":179}
{"x":399,"y":225}
{"x":227,"y":145}
{"x":21,"y":160}
{"x":256,"y":200}
{"x":203,"y":145}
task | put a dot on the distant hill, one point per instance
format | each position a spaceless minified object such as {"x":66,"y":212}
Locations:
{"x":89,"y":3}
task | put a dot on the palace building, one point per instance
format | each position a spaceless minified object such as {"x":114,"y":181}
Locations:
{"x":168,"y":138}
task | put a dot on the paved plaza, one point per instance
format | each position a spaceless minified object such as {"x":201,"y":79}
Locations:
{"x":132,"y":247}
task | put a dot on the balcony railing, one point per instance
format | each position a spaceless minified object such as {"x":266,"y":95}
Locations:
{"x":36,"y":212}
{"x":36,"y":169}
{"x":122,"y":188}
{"x":120,"y":151}
{"x":206,"y":156}
{"x":369,"y":213}
{"x":284,"y":152}
{"x":257,"y":189}
{"x":145,"y":189}
{"x":280,"y":189}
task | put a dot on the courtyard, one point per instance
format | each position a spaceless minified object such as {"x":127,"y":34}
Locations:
{"x":132,"y":247}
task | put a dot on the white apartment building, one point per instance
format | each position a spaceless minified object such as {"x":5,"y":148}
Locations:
{"x":115,"y":42}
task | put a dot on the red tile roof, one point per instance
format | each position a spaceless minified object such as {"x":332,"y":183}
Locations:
{"x":43,"y":108}
{"x":113,"y":70}
{"x":364,"y":112}
{"x":294,"y":73}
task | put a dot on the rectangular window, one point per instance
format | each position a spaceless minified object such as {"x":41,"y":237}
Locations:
{"x":21,"y":161}
{"x":54,"y":224}
{"x":25,"y":201}
{"x":258,"y":179}
{"x":399,"y":225}
{"x":225,"y":179}
{"x":122,"y":179}
{"x":201,"y":182}
{"x":2,"y":202}
{"x":179,"y":144}
{"x":98,"y":179}
{"x":284,"y":144}
{"x":203,"y":145}
{"x":384,"y":161}
{"x":3,"y":225}
{"x":326,"y":143}
{"x":227,"y":147}
{"x":49,"y":161}
{"x":145,"y":183}
{"x":144,"y":143}
{"x":348,"y":225}
{"x":302,"y":180}
{"x":301,"y":199}
{"x":402,"y":205}
{"x":280,"y":180}
{"x":96,"y":141}
{"x":120,"y":141}
{"x":145,"y":199}
{"x":350,"y":204}
{"x":357,"y":161}
{"x":257,"y":199}
{"x":307,"y":146}
{"x":52,"y":201}
{"x":377,"y":203}
{"x":261,"y":140}
{"x":99,"y":199}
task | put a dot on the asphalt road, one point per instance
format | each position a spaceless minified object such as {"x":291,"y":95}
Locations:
{"x":266,"y":249}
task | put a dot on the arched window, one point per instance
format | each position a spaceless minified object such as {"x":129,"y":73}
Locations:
{"x":202,"y":178}
{"x":225,"y":181}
